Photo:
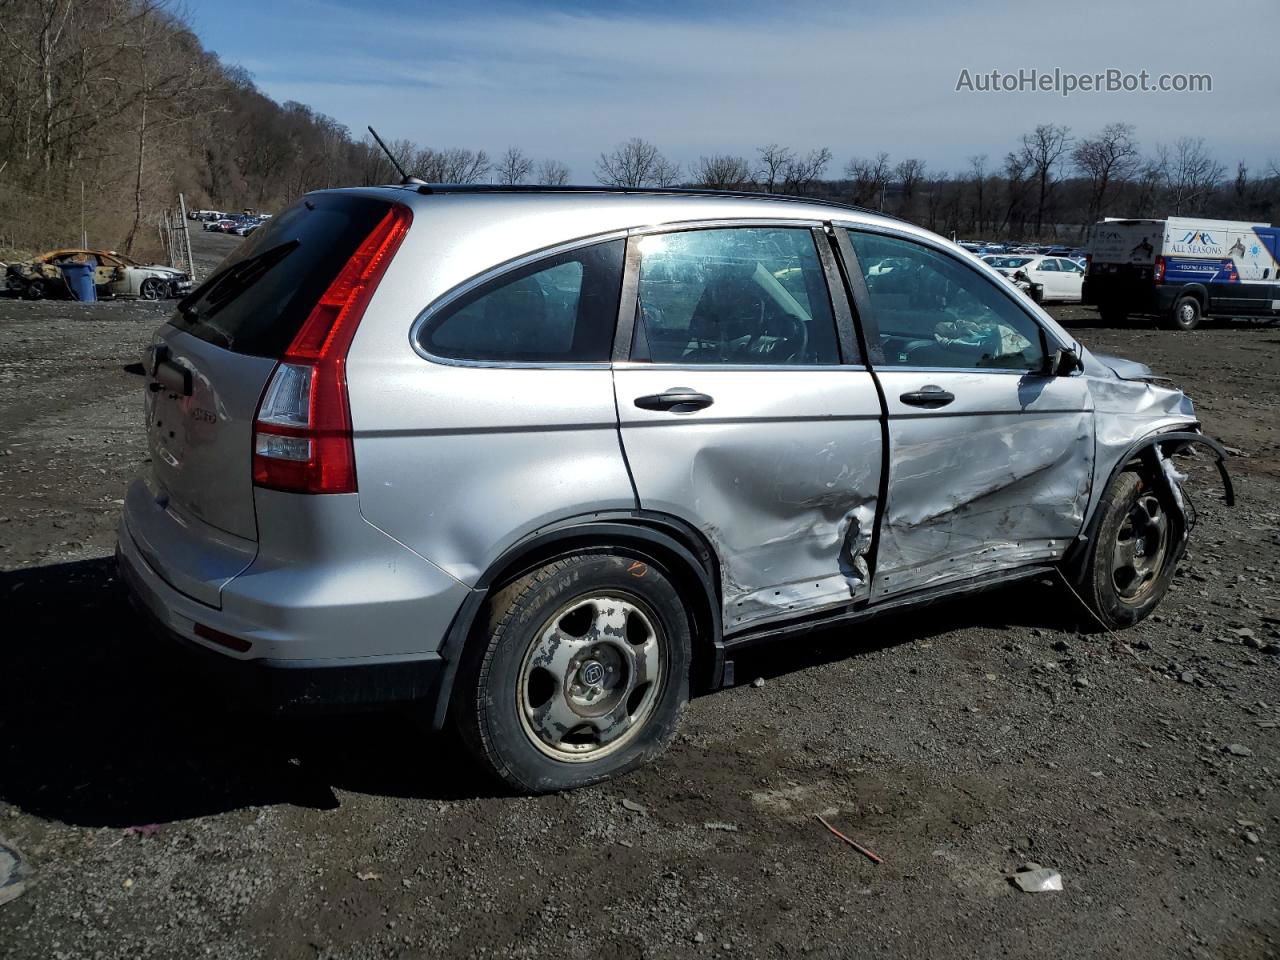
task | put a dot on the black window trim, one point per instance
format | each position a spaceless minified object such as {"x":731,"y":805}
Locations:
{"x":496,"y":272}
{"x":625,"y":342}
{"x":869,"y":324}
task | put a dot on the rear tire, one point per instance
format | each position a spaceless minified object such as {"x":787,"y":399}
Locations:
{"x":578,"y":673}
{"x":1134,"y":553}
{"x":1113,"y":316}
{"x":34,"y":290}
{"x":1185,"y":315}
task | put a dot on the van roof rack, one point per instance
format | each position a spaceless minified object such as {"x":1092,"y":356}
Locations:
{"x":443,"y":188}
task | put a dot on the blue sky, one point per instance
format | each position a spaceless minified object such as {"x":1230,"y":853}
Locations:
{"x":567,"y":80}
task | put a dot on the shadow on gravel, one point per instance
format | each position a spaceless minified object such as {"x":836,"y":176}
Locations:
{"x":103,"y":725}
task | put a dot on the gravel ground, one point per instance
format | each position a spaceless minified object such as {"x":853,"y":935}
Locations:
{"x":958,"y":744}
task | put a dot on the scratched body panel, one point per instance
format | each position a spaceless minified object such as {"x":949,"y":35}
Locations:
{"x":782,"y":478}
{"x":999,"y":478}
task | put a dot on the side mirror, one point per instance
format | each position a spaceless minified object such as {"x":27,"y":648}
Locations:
{"x":1061,"y":363}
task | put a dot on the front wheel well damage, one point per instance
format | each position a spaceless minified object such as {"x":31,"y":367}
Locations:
{"x":1150,"y":457}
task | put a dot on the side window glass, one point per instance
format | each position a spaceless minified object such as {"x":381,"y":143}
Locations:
{"x":1049,"y":266}
{"x":935,"y":311}
{"x":559,"y":310}
{"x":740,"y":295}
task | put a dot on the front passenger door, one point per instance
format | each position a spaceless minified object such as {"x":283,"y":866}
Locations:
{"x":990,"y":458}
{"x":745,"y":412}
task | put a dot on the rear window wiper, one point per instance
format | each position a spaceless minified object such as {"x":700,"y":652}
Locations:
{"x":224,"y":287}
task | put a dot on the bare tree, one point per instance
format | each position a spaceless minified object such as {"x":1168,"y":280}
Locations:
{"x":513,"y":167}
{"x":800,"y":173}
{"x":1042,"y":150}
{"x":909,"y":173}
{"x":1112,"y":157}
{"x":1150,"y":182}
{"x":454,"y":165}
{"x":868,"y":179}
{"x":163,"y":84}
{"x":774,"y":160}
{"x":1191,"y":175}
{"x":978,"y":175}
{"x":1016,"y":166}
{"x":636,"y":163}
{"x":722,"y":171}
{"x":553,"y":173}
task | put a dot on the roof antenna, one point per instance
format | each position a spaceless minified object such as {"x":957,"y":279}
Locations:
{"x":405,"y":178}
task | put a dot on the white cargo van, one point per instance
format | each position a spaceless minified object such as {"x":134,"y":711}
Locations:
{"x":1182,"y":269}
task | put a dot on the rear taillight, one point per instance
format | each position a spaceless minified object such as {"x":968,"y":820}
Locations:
{"x":302,"y":439}
{"x":1088,"y":262}
{"x":1159,"y":270}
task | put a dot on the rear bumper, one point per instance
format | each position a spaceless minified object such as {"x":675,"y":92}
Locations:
{"x":274,"y":685}
{"x":307,"y":630}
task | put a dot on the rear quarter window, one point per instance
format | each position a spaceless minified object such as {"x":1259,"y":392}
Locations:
{"x":302,"y":248}
{"x":561,"y":309}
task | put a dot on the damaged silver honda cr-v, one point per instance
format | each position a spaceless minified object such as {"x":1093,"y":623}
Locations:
{"x":537,"y":460}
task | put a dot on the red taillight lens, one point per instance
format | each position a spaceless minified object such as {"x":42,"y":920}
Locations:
{"x":302,"y":435}
{"x":1088,"y":262}
{"x":1159,"y":270}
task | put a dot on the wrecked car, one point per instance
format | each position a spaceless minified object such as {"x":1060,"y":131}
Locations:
{"x":114,"y":275}
{"x":536,"y":461}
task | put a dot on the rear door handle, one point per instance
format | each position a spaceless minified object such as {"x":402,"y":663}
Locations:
{"x":677,"y":400}
{"x":930,"y":395}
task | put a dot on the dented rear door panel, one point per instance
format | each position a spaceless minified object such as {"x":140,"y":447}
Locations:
{"x":781,"y":473}
{"x":996,"y":479}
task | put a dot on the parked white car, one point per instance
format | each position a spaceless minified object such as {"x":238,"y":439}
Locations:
{"x":1057,"y":277}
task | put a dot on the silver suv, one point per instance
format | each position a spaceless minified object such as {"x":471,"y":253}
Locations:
{"x":538,"y":461}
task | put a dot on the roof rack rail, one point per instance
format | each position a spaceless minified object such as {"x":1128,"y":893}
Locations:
{"x":443,"y":188}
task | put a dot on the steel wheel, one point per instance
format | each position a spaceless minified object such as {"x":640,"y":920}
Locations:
{"x":1139,"y":550}
{"x":591,"y":677}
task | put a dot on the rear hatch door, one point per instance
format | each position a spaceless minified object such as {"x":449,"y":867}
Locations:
{"x":210,"y":364}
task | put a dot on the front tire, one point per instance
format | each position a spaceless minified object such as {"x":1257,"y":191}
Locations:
{"x":151,"y":289}
{"x":1134,"y":553}
{"x":34,"y":290}
{"x":1185,"y":315}
{"x":579,"y":673}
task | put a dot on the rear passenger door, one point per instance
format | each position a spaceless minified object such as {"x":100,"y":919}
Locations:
{"x":990,"y":455}
{"x":746,"y":411}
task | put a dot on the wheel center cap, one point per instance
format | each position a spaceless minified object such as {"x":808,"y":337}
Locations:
{"x":592,"y":673}
{"x":1140,"y":548}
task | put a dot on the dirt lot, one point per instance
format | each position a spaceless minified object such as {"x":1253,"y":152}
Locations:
{"x":957,"y":744}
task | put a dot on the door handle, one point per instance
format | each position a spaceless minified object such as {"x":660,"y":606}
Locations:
{"x":930,"y":395}
{"x":677,"y":400}
{"x":169,"y":376}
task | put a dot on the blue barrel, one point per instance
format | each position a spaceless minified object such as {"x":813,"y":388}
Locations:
{"x":79,"y":277}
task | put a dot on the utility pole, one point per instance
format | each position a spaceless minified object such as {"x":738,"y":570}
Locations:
{"x":186,"y":237}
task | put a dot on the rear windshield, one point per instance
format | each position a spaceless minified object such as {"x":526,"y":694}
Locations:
{"x":258,"y":297}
